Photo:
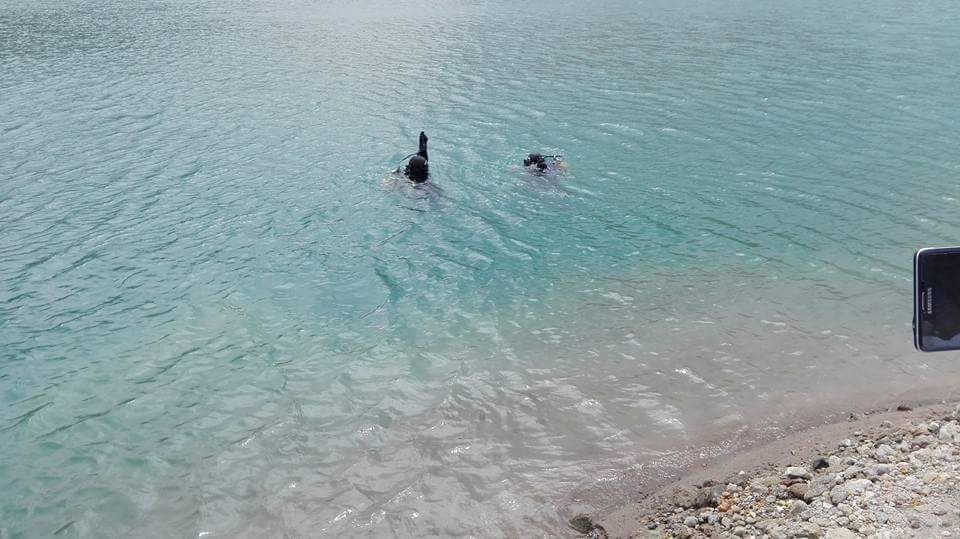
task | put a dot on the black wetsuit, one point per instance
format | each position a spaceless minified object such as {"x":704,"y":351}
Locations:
{"x":536,"y":160}
{"x":418,"y":168}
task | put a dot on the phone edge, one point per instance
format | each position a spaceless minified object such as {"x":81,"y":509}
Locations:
{"x":916,"y":300}
{"x":917,"y":308}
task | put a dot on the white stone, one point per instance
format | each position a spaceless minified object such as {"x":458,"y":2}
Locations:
{"x":838,"y":494}
{"x":949,"y":432}
{"x":885,"y":453}
{"x":797,"y":472}
{"x":840,"y":533}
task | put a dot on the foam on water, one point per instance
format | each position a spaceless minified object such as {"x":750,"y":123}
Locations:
{"x":218,"y":318}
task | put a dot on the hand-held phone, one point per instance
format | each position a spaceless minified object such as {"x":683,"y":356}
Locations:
{"x":936,"y":299}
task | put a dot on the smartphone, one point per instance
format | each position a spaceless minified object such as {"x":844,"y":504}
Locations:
{"x":936,"y":299}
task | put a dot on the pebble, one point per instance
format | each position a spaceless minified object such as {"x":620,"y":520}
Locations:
{"x":924,"y":440}
{"x":806,"y":529}
{"x":857,"y":486}
{"x":820,"y":463}
{"x":798,"y":490}
{"x":690,"y":521}
{"x":875,"y":470}
{"x":838,"y":494}
{"x":797,"y":472}
{"x":822,"y":521}
{"x":949,"y":432}
{"x":816,"y":488}
{"x":885,"y":453}
{"x":682,"y":498}
{"x":852,"y":472}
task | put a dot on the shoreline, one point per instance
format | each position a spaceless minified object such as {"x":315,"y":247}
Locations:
{"x":648,"y":499}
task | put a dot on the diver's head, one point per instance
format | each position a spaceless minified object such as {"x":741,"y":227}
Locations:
{"x":417,"y":169}
{"x":535,"y":159}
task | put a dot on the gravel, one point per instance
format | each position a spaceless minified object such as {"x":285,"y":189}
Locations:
{"x":896,"y":481}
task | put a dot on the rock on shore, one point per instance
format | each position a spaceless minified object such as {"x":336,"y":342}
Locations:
{"x":898,"y":480}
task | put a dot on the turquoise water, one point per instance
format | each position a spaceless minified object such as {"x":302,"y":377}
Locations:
{"x":220,"y":317}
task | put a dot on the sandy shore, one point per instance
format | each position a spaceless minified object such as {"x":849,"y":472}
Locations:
{"x":892,"y":472}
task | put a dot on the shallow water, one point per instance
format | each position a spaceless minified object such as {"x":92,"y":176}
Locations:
{"x":220,"y":317}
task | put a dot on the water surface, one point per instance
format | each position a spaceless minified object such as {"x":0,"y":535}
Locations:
{"x":219,"y":316}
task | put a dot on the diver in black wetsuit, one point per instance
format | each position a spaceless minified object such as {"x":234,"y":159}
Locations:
{"x":535,"y":160}
{"x":537,"y":163}
{"x":418,"y":168}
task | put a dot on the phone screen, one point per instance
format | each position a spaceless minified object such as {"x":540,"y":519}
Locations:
{"x":937,"y":310}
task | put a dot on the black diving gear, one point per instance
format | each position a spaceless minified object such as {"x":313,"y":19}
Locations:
{"x":418,"y":168}
{"x":540,"y":161}
{"x":536,"y":160}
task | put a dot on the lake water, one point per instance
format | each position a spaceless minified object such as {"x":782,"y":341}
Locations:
{"x":220,"y":317}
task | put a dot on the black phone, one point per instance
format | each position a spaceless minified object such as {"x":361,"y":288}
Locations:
{"x":936,"y":299}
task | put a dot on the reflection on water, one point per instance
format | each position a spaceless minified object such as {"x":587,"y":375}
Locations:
{"x":218,"y":316}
